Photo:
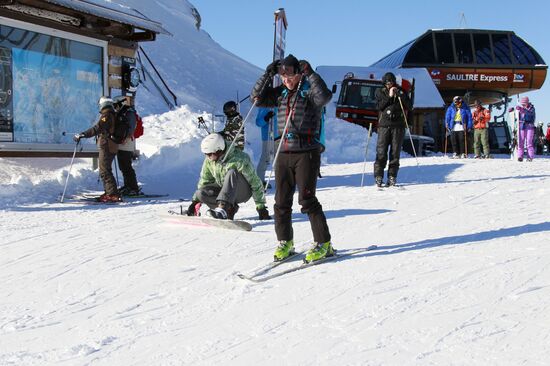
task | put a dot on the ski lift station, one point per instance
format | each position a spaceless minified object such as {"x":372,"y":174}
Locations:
{"x":57,"y":58}
{"x":489,"y":65}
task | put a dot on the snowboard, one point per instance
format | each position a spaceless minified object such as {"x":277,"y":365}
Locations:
{"x":205,"y":221}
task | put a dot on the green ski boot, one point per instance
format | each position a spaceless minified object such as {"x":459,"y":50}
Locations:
{"x":319,"y":251}
{"x":285,"y":249}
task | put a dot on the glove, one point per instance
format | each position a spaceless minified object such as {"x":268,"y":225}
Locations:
{"x":263,"y":214}
{"x":77,"y":137}
{"x":193,"y":209}
{"x":305,"y":68}
{"x":268,"y":116}
{"x":273,"y":68}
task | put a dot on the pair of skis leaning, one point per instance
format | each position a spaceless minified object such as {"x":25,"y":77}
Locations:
{"x":264,"y":274}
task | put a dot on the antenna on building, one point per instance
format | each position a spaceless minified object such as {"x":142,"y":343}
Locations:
{"x":462,"y":20}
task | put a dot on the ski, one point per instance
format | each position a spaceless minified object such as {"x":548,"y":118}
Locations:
{"x":257,"y":278}
{"x":144,"y":195}
{"x":93,"y":201}
{"x":203,"y":221}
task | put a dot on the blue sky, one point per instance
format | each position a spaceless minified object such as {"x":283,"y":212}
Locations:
{"x":359,"y":32}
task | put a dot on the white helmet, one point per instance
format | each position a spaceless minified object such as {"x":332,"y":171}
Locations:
{"x":540,"y":123}
{"x":105,"y":102}
{"x":212,"y":143}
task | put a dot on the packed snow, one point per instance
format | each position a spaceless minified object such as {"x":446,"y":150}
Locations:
{"x":460,"y":275}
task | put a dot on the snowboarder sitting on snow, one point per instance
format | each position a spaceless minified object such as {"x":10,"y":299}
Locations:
{"x":233,"y":124}
{"x":103,"y":129}
{"x":227,"y":179}
{"x":302,"y":97}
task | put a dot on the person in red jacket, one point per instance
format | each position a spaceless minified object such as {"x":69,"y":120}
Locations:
{"x":548,"y":137}
{"x":481,"y":117}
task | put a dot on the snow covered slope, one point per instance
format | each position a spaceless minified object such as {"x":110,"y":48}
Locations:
{"x":460,"y":276}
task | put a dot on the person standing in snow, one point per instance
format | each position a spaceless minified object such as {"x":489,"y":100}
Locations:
{"x":539,"y":139}
{"x":481,"y":117}
{"x":525,"y":115}
{"x":548,"y":137}
{"x":458,"y":120}
{"x":103,"y":129}
{"x":233,"y":125}
{"x":266,"y":117}
{"x":390,"y":102}
{"x":225,"y":181}
{"x":126,"y":150}
{"x":300,"y":100}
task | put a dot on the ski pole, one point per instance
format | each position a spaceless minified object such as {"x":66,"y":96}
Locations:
{"x":283,"y":135}
{"x":366,"y":152}
{"x":69,"y":172}
{"x":407,"y":124}
{"x":466,"y":141}
{"x":446,"y":133}
{"x":116,"y":170}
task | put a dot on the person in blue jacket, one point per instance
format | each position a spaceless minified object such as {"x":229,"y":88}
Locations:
{"x":266,"y":118}
{"x":458,"y":121}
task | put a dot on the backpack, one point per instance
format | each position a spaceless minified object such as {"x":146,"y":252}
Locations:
{"x":138,"y":131}
{"x":125,"y":125}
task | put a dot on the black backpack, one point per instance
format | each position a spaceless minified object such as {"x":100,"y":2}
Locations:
{"x":125,"y":124}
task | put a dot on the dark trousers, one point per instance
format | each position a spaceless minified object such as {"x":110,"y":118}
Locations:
{"x":392,"y":138}
{"x":457,"y":140}
{"x":235,"y":190}
{"x":298,"y":169}
{"x":105,"y":162}
{"x":125,"y":165}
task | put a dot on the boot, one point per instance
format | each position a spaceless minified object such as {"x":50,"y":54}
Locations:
{"x":284,"y":249}
{"x":319,"y":251}
{"x":109,"y":198}
{"x":392,"y":181}
{"x":231,"y":211}
{"x":220,"y":212}
{"x":378,"y":181}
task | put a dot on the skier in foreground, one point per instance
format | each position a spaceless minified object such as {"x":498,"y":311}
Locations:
{"x":108,"y":149}
{"x":390,"y":101}
{"x":300,"y":99}
{"x":226,"y":181}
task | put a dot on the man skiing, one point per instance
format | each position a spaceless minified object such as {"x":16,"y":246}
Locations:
{"x":233,"y":125}
{"x":390,"y":102}
{"x":525,"y":115}
{"x":103,"y":129}
{"x":300,"y":101}
{"x":481,"y":117}
{"x":226,"y":179}
{"x":458,"y":120}
{"x":125,"y":154}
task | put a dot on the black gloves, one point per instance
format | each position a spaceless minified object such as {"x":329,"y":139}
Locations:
{"x":273,"y":68}
{"x":263,"y":214}
{"x":305,"y":68}
{"x":268,"y":116}
{"x":193,"y":210}
{"x":77,"y":137}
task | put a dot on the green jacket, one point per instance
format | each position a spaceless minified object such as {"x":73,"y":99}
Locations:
{"x":213,"y":172}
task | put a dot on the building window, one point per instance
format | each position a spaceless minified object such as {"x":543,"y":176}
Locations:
{"x":422,"y":52}
{"x":444,"y":45}
{"x":53,"y":84}
{"x":463,"y":47}
{"x":501,"y":46}
{"x":523,"y":54}
{"x":482,"y":45}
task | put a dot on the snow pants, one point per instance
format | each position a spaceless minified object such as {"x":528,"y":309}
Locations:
{"x":481,"y":138}
{"x":105,"y":162}
{"x":457,"y":140}
{"x":235,"y":190}
{"x":124,"y":159}
{"x":526,"y":134}
{"x":391,"y":137}
{"x":298,"y":169}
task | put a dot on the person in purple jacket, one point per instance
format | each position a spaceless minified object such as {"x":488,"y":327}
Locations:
{"x":525,"y":116}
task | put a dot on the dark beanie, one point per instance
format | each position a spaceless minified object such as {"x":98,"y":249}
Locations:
{"x":290,"y":60}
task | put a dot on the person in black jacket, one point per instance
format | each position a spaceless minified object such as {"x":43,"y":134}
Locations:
{"x":391,"y":128}
{"x":302,"y":97}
